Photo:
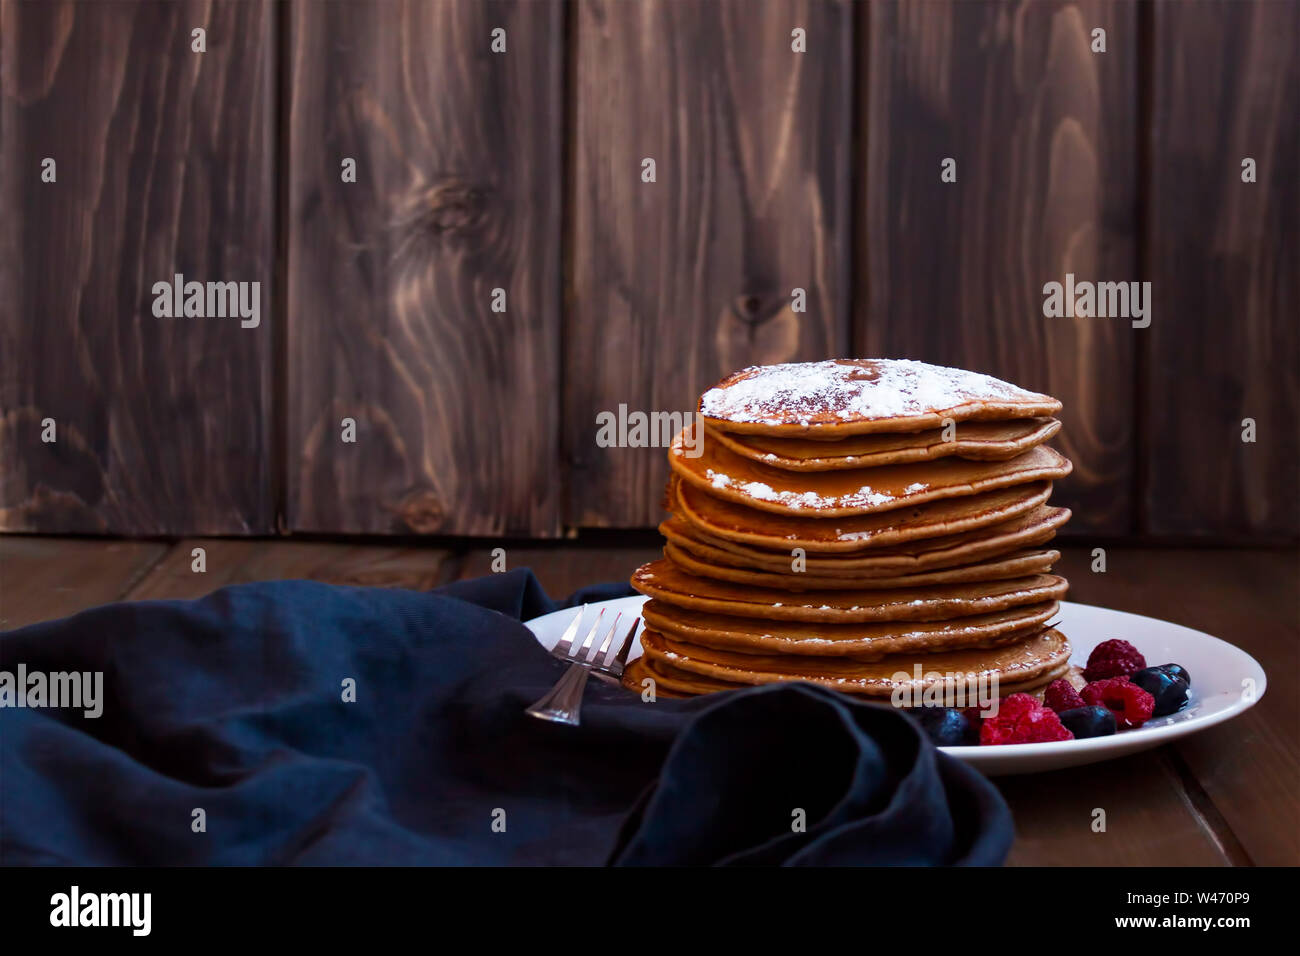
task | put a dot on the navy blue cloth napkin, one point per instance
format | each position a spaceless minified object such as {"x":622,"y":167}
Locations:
{"x":233,"y":704}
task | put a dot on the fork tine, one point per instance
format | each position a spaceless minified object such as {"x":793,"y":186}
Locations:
{"x":604,"y":645}
{"x":627,"y":645}
{"x":565,"y":644}
{"x":582,"y":653}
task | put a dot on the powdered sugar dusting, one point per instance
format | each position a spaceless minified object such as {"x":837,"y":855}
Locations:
{"x":853,"y":390}
{"x":803,"y":500}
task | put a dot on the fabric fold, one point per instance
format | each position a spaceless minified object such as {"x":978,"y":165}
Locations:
{"x":322,"y":725}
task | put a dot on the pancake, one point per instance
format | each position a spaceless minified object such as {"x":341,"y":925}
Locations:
{"x":671,"y":683}
{"x":1014,"y":565}
{"x":827,"y":532}
{"x":1035,"y":528}
{"x":665,"y":581}
{"x":979,"y":441}
{"x":1034,"y":685}
{"x":841,"y":397}
{"x":1016,"y":664}
{"x":675,"y":684}
{"x":862,"y":641}
{"x":833,"y":494}
{"x":735,"y":522}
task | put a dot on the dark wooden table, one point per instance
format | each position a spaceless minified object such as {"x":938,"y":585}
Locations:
{"x":1228,"y":796}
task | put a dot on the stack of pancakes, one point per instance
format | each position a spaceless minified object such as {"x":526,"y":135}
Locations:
{"x":875,"y":526}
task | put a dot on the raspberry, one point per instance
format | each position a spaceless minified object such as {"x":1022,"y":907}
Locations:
{"x":1113,"y":659}
{"x":1131,"y":705}
{"x":1022,"y":720}
{"x":1061,"y":695}
{"x":1017,"y":705}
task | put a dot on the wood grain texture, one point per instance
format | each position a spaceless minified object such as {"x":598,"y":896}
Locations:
{"x":164,"y":165}
{"x":564,"y":569}
{"x":1248,"y":767}
{"x":46,"y":578}
{"x":1044,"y":133}
{"x":228,"y":562}
{"x":1224,"y":260}
{"x":677,"y":282}
{"x":391,"y":278}
{"x":1149,"y":819}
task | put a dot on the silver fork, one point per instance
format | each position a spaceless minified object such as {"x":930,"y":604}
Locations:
{"x":564,"y":701}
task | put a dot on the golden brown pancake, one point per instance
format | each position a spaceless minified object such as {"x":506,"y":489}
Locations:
{"x":667,"y":582}
{"x":827,"y":532}
{"x":764,"y":529}
{"x":1035,"y":528}
{"x":724,"y":474}
{"x":861,"y":641}
{"x":1014,"y":565}
{"x":673,"y":683}
{"x":841,"y":397}
{"x":980,"y":441}
{"x":667,"y":682}
{"x":1013,"y":664}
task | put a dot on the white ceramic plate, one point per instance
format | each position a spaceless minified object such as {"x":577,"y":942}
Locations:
{"x":1225,"y":681}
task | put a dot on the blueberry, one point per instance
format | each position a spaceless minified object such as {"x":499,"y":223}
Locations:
{"x":1088,"y":721}
{"x":1169,"y":690}
{"x":1175,"y":670}
{"x":946,"y":726}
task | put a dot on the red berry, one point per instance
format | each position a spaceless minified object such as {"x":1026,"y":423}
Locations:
{"x":1017,"y":705}
{"x":1106,"y":669}
{"x":1113,"y":659}
{"x":1021,"y":719}
{"x":1061,"y":695}
{"x":1044,"y":725}
{"x":1131,"y":705}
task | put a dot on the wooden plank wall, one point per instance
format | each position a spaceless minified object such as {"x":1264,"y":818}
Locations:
{"x":676,"y":281}
{"x":1224,"y":256}
{"x":391,"y":278}
{"x":522,"y":171}
{"x":164,"y":163}
{"x":1043,"y":132}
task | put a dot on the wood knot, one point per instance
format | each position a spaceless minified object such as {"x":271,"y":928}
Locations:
{"x":449,"y":210}
{"x":456,"y":206}
{"x":755,"y":308}
{"x":421,"y":512}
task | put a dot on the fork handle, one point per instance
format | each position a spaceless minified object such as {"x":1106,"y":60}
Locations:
{"x":563,"y":702}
